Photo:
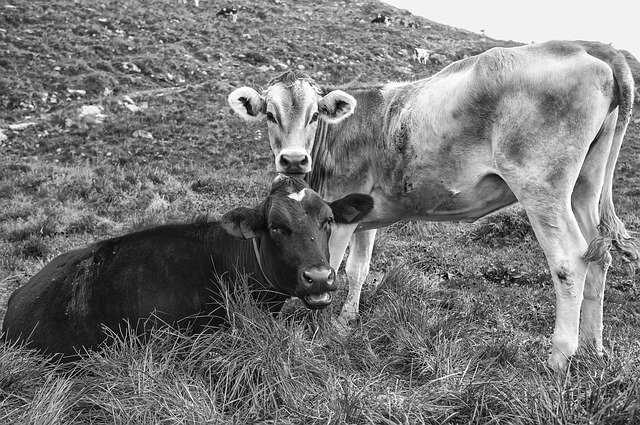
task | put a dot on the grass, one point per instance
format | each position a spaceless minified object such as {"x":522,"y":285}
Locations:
{"x":419,"y":355}
{"x":454,"y":323}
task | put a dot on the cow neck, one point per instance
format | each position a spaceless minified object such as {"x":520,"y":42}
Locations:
{"x":257,"y":253}
{"x":321,"y":159}
{"x":273,"y":283}
{"x":344,"y":154}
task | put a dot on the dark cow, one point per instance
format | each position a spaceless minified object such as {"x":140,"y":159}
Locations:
{"x":540,"y":124}
{"x":228,"y":11}
{"x":381,"y":19}
{"x":174,"y":272}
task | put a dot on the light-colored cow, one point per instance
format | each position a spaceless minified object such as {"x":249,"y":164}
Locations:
{"x":540,"y":124}
{"x":197,"y":2}
{"x":421,"y":55}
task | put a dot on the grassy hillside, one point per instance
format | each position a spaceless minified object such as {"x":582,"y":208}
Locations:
{"x":113,"y":117}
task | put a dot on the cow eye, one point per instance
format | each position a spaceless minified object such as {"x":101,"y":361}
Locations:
{"x":271,"y":118}
{"x":314,"y":118}
{"x":280,"y":230}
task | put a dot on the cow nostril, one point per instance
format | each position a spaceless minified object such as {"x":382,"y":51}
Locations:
{"x":283,"y":161}
{"x":331,"y":278}
{"x":307,"y":276}
{"x":304,"y":161}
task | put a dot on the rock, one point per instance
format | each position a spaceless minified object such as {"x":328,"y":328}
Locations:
{"x":91,"y":114}
{"x":301,"y":67}
{"x":142,"y":134}
{"x":78,"y":92}
{"x":131,"y":67}
{"x":3,"y":137}
{"x":128,"y":103}
{"x":21,"y":126}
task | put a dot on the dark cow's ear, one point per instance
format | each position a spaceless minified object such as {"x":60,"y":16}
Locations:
{"x":336,"y":106}
{"x":243,"y":223}
{"x":352,"y":208}
{"x":248,"y":103}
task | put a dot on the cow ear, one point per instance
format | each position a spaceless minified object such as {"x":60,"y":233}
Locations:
{"x":243,"y":223}
{"x":248,"y":103}
{"x":352,"y":208}
{"x":336,"y":106}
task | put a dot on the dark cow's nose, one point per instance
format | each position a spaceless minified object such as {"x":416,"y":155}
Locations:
{"x":319,"y":279}
{"x":294,"y":163}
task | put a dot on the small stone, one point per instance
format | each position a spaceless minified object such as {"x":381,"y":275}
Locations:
{"x":21,"y":126}
{"x":142,"y":134}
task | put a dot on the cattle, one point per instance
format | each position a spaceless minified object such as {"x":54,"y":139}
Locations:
{"x":176,"y":273}
{"x":421,"y":55}
{"x":228,"y":11}
{"x":539,"y":124}
{"x":381,"y":19}
{"x":197,"y":2}
{"x":438,"y":59}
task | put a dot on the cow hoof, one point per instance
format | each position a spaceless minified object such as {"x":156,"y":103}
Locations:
{"x":558,"y":363}
{"x":340,"y":328}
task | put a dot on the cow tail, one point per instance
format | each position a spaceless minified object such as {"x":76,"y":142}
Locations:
{"x":612,"y":233}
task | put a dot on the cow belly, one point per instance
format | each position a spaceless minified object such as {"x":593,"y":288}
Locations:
{"x":431,"y":201}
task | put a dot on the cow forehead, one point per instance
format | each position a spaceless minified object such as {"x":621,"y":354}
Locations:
{"x":298,"y":196}
{"x":299,"y":205}
{"x":297,"y":96}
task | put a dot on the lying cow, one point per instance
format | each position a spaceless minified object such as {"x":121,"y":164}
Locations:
{"x":438,"y":59}
{"x":421,"y":55}
{"x":541,"y":124}
{"x":174,"y":271}
{"x":381,"y":19}
{"x":197,"y":2}
{"x":228,"y":11}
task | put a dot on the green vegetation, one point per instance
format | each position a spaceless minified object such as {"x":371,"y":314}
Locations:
{"x":456,"y":329}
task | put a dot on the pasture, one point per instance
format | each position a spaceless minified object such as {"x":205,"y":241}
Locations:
{"x":455,"y":318}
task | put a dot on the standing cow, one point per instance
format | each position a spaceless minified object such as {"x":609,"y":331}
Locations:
{"x":421,"y":55}
{"x":175,"y":272}
{"x":541,"y":124}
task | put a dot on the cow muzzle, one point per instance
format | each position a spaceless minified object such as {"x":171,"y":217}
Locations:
{"x":315,"y":285}
{"x":293,"y":163}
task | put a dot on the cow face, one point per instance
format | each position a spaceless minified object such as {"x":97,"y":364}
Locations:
{"x":292,"y":227}
{"x":292,"y":105}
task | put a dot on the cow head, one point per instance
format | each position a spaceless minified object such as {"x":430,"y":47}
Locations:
{"x":292,"y":105}
{"x":292,"y":227}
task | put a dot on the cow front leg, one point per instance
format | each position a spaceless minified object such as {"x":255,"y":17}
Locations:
{"x":338,"y":242}
{"x":357,"y":269}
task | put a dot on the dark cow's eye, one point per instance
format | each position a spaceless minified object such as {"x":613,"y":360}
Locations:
{"x":271,"y":118}
{"x":279,"y":230}
{"x":314,"y":118}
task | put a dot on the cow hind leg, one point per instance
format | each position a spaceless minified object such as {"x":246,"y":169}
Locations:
{"x":593,"y":206}
{"x":559,"y":235}
{"x":357,"y":269}
{"x":585,"y":205}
